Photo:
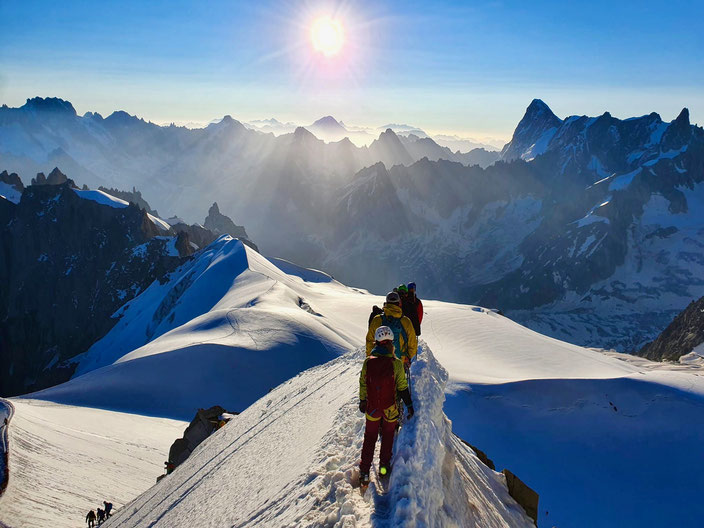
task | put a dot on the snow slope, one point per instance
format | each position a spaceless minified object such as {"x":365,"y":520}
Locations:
{"x":9,"y":192}
{"x":605,"y":442}
{"x":289,"y":460}
{"x":66,"y":460}
{"x":104,"y":198}
{"x":220,"y":318}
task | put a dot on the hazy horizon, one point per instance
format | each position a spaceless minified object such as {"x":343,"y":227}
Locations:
{"x":467,"y":70}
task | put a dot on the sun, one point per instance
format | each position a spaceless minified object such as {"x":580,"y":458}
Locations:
{"x":327,"y":36}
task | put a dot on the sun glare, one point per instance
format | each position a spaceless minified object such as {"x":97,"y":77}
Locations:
{"x":327,"y":36}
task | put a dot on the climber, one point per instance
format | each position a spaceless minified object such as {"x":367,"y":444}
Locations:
{"x":405,"y":340}
{"x":382,"y":377}
{"x":412,"y":306}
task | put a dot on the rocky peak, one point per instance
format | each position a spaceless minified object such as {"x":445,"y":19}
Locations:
{"x":120,"y":117}
{"x":49,"y":105}
{"x":303,"y":134}
{"x":12,"y":179}
{"x":683,"y":118}
{"x":537,"y":109}
{"x":56,"y":177}
{"x":220,"y":224}
{"x":389,"y":149}
{"x":537,"y":121}
{"x":679,"y":133}
{"x":388,"y":139}
{"x":684,"y":333}
{"x":40,"y":179}
{"x":388,"y":135}
{"x":227,"y":123}
{"x":329,"y":123}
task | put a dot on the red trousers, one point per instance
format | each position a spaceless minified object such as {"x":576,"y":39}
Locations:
{"x":371,"y":433}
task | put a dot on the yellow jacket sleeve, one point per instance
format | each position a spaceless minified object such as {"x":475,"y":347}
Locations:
{"x":363,"y":382}
{"x":400,"y":375}
{"x":376,"y":323}
{"x":412,"y":345}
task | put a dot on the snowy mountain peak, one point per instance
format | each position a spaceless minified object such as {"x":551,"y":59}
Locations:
{"x":49,"y":105}
{"x":533,"y":133}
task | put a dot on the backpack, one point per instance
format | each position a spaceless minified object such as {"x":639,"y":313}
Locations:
{"x":381,"y":385}
{"x":398,"y":330}
{"x":375,"y":311}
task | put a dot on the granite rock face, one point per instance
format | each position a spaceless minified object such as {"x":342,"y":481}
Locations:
{"x":682,"y":335}
{"x":66,"y":265}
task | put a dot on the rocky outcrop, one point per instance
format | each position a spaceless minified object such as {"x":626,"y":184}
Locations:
{"x":525,"y":496}
{"x":522,"y":494}
{"x":133,"y":196}
{"x":66,"y":265}
{"x":680,"y":337}
{"x":535,"y":129}
{"x":56,"y":177}
{"x":197,"y":234}
{"x":204,"y":423}
{"x":13,"y":180}
{"x":220,"y":224}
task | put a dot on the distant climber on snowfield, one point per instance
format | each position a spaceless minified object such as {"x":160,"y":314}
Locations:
{"x":405,"y":340}
{"x":382,"y":377}
{"x":90,"y":519}
{"x":101,"y":515}
{"x":412,"y":307}
{"x":108,"y":508}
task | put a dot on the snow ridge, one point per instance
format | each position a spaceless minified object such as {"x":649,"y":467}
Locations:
{"x":291,"y":460}
{"x":437,"y":480}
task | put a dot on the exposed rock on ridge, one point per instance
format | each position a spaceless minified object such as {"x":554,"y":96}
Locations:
{"x":682,"y":335}
{"x":66,"y":265}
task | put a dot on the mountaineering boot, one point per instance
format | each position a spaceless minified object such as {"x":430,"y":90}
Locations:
{"x":364,"y":479}
{"x":384,"y":471}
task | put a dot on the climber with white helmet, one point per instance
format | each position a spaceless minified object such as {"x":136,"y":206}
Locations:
{"x":382,"y":377}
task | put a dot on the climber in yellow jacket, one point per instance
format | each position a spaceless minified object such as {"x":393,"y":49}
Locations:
{"x":405,"y":340}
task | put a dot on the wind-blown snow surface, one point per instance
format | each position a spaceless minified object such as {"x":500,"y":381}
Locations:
{"x":604,"y":441}
{"x":66,"y":460}
{"x":224,"y":330}
{"x":289,"y":460}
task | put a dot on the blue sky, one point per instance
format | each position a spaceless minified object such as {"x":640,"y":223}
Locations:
{"x":469,"y":67}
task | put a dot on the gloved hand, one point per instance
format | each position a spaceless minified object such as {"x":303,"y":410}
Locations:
{"x":410,"y":412}
{"x":362,"y":406}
